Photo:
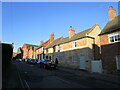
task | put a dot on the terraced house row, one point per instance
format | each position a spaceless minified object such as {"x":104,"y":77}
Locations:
{"x":93,"y":50}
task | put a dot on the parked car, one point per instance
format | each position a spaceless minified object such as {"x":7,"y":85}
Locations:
{"x":45,"y":63}
{"x":27,"y":60}
{"x":32,"y":61}
{"x":37,"y":60}
{"x":23,"y":60}
{"x":18,"y":60}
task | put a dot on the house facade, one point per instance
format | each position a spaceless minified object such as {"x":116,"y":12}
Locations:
{"x":78,"y":50}
{"x":29,"y":51}
{"x":50,"y":49}
{"x":110,"y":43}
{"x":40,"y":51}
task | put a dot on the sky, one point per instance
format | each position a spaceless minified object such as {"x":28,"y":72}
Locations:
{"x":30,"y":22}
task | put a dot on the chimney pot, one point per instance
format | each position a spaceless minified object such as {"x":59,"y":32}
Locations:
{"x":111,"y":7}
{"x":51,"y":37}
{"x":41,"y":41}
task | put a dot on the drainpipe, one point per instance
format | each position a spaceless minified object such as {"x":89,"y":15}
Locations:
{"x":43,"y":54}
{"x":94,"y":48}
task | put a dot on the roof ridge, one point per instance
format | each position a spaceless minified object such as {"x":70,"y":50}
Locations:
{"x":52,"y":43}
{"x":92,"y":28}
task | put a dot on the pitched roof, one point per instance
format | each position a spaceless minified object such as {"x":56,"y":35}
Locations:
{"x":42,"y":44}
{"x":31,"y":45}
{"x":53,"y":43}
{"x":76,"y":36}
{"x":112,"y":25}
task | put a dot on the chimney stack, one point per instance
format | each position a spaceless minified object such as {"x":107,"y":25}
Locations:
{"x":111,"y":13}
{"x":71,"y":32}
{"x":12,"y":45}
{"x":51,"y":37}
{"x":41,"y":41}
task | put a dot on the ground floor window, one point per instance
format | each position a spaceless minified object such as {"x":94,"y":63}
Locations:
{"x":118,"y":61}
{"x":74,"y":59}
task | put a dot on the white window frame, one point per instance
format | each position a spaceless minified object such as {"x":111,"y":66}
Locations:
{"x":58,"y":47}
{"x":113,"y":36}
{"x":74,"y":44}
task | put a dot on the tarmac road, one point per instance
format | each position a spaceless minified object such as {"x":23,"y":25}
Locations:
{"x":23,"y":75}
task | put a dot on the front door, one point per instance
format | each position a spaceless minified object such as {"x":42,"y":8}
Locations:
{"x":82,"y":62}
{"x":118,"y":61}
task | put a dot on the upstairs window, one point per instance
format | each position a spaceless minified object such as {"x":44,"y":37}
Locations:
{"x":74,"y":44}
{"x":111,"y":39}
{"x":58,"y":48}
{"x":54,"y":49}
{"x":115,"y":37}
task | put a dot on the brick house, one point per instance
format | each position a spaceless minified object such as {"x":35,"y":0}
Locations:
{"x":50,"y":49}
{"x":110,"y":43}
{"x":78,"y":50}
{"x":29,"y":51}
{"x":14,"y":54}
{"x":40,"y":50}
{"x":19,"y":53}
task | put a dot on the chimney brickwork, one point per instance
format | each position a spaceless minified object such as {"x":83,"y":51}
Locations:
{"x":41,"y":41}
{"x":51,"y":37}
{"x":111,"y":13}
{"x":71,"y":32}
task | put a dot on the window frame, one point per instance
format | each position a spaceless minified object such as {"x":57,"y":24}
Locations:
{"x":58,"y":48}
{"x":74,"y":44}
{"x":114,"y":37}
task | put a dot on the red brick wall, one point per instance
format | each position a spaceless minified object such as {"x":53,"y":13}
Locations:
{"x":108,"y":53}
{"x":25,"y":51}
{"x":108,"y":56}
{"x":46,"y":43}
{"x":104,"y":39}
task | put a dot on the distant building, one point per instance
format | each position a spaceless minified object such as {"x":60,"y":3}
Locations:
{"x":19,"y":53}
{"x":50,"y":49}
{"x":40,"y":51}
{"x":29,"y":51}
{"x":110,"y":43}
{"x":14,"y":54}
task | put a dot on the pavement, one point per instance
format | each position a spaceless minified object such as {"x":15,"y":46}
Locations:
{"x":8,"y":79}
{"x":12,"y":70}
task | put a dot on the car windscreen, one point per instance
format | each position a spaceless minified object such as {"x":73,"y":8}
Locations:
{"x":32,"y":59}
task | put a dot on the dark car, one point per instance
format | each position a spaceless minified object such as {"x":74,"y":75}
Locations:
{"x":23,"y":60}
{"x":45,"y":63}
{"x":18,"y":60}
{"x":28,"y":60}
{"x":32,"y":61}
